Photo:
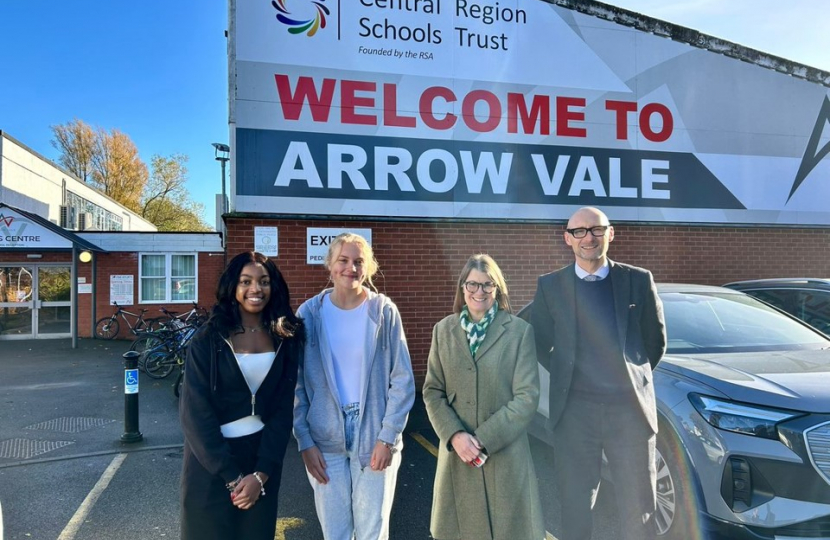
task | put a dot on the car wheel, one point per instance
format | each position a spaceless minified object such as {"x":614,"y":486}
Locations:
{"x":673,"y":504}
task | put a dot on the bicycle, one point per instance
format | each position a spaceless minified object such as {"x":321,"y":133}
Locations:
{"x":168,"y":351}
{"x":108,"y":327}
{"x":196,"y":316}
{"x":157,"y":345}
{"x":148,"y":341}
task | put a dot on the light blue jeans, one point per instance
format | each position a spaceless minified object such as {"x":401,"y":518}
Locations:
{"x":356,"y":503}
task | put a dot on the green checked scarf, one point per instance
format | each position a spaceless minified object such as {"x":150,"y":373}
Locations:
{"x":477,"y":331}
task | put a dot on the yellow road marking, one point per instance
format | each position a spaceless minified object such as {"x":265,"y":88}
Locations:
{"x":286,"y":524}
{"x":425,"y":443}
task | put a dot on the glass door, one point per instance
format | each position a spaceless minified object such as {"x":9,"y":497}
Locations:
{"x":53,"y":304}
{"x":16,"y":302}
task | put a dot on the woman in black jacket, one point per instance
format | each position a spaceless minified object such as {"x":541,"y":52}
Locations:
{"x":237,"y":404}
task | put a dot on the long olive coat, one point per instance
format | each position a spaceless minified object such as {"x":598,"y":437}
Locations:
{"x":494,"y":397}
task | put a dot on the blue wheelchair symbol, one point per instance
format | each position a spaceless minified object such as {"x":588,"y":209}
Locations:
{"x":131,"y":377}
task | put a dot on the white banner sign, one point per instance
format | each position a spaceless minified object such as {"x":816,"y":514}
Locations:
{"x":18,"y":231}
{"x":318,"y":241}
{"x":517,"y":109}
{"x":121,"y":289}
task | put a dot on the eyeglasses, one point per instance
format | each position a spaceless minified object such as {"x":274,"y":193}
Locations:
{"x":473,"y":286}
{"x":582,"y":232}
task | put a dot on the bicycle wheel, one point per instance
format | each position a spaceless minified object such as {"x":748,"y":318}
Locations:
{"x":107,"y":328}
{"x":177,"y":388}
{"x":158,"y":364}
{"x":144,"y":344}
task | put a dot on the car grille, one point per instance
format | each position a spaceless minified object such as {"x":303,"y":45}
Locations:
{"x":818,"y":445}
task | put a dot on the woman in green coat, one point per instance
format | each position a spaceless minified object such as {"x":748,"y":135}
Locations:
{"x":481,"y":391}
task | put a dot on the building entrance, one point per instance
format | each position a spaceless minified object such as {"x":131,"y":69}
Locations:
{"x":35,"y":301}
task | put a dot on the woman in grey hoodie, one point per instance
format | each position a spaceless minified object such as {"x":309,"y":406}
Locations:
{"x":355,"y":388}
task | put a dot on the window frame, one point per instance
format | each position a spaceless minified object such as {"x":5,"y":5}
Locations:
{"x":168,"y":277}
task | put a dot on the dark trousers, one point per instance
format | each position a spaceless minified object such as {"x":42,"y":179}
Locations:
{"x":207,"y":510}
{"x":620,"y":429}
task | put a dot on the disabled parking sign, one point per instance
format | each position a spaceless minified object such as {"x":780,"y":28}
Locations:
{"x":130,"y":381}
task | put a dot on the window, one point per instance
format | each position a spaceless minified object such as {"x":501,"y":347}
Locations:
{"x":814,"y":309}
{"x":705,"y":323}
{"x":99,"y":218}
{"x":784,"y":299}
{"x":167,"y":277}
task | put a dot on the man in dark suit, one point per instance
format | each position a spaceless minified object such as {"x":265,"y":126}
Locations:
{"x":600,"y":331}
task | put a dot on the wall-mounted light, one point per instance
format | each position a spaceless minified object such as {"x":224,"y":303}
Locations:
{"x":85,"y":256}
{"x":34,"y":256}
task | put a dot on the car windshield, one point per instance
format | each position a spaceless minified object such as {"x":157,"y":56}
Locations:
{"x":711,"y":322}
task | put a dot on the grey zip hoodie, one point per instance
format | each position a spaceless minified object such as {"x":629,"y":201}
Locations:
{"x":388,"y":391}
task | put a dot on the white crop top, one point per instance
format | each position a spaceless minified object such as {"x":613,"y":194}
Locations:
{"x":254,"y":367}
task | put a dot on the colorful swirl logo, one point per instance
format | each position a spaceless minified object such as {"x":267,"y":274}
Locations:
{"x":309,"y":26}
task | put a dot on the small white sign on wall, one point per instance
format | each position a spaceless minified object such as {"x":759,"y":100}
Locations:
{"x":319,"y":239}
{"x":84,"y":288}
{"x":266,"y":241}
{"x":121,"y":289}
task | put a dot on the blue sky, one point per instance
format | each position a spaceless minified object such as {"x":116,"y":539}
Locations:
{"x":795,"y":29}
{"x":157,"y":70}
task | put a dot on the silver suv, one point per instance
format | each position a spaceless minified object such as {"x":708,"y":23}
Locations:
{"x":805,"y":298}
{"x":743,"y":398}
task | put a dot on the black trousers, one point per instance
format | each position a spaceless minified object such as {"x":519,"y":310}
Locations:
{"x":207,"y":512}
{"x":620,"y":429}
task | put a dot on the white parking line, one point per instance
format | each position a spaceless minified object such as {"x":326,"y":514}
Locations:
{"x":82,"y":512}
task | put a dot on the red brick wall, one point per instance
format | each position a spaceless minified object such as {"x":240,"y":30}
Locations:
{"x":209,"y":268}
{"x":116,"y":263}
{"x":420,"y":262}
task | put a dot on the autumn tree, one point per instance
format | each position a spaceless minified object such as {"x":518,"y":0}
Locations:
{"x":108,"y":160}
{"x":166,"y":203}
{"x":118,"y":169}
{"x":76,"y":142}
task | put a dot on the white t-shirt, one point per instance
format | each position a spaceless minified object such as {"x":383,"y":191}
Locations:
{"x":346,"y":330}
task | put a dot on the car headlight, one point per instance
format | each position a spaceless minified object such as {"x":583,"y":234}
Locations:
{"x":741,"y":417}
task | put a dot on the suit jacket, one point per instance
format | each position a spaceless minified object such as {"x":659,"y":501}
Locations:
{"x":640,"y":327}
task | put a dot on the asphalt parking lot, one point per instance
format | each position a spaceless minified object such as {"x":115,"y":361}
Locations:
{"x":65,"y":474}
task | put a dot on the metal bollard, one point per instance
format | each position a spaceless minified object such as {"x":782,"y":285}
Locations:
{"x":131,"y":433}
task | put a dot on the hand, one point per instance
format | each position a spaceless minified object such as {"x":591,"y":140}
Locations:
{"x":247,"y":491}
{"x":315,"y":464}
{"x":381,"y":457}
{"x":466,"y":446}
